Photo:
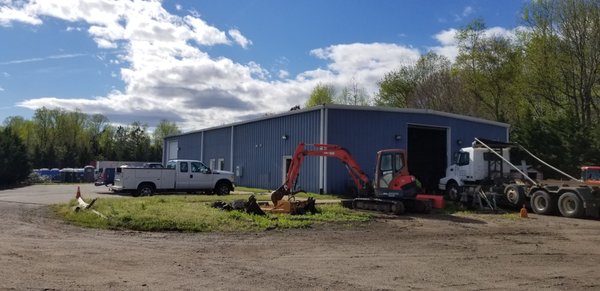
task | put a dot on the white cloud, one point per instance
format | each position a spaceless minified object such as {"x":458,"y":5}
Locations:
{"x":1,"y":89}
{"x":168,"y":72}
{"x":283,"y":74}
{"x":365,"y":63}
{"x":71,"y":28}
{"x":178,"y":7}
{"x":449,"y":45}
{"x":11,"y":14}
{"x":239,"y":38}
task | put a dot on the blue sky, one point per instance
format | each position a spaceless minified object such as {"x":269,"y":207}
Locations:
{"x":206,"y":63}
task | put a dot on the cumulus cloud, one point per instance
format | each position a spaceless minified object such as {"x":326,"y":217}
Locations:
{"x":449,"y":46}
{"x":239,"y":38}
{"x":15,"y":14}
{"x":169,"y":74}
{"x":367,"y":63}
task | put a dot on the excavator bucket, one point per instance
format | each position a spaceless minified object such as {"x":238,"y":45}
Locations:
{"x":292,"y":207}
{"x":278,"y":194}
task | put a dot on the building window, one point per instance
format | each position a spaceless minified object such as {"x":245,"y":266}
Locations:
{"x":221,"y":164}
{"x":212,"y":164}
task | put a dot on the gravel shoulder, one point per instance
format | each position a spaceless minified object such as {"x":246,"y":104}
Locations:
{"x":431,"y":252}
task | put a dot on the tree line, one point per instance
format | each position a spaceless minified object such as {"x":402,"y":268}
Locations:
{"x":544,"y":81}
{"x":55,"y":138}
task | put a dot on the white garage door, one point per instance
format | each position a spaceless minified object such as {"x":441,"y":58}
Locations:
{"x":173,"y":148}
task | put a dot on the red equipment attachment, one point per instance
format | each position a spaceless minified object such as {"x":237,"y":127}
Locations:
{"x":361,"y":180}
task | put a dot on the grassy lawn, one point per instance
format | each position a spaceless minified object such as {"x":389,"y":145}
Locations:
{"x":194,"y":214}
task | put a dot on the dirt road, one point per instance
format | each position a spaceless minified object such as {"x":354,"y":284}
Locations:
{"x":433,"y":252}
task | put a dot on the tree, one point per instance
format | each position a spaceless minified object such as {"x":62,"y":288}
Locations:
{"x":162,"y":130}
{"x":561,"y":69}
{"x":490,"y":70}
{"x":321,"y":94}
{"x":564,"y":56}
{"x":396,"y":88}
{"x":353,"y":95}
{"x":428,"y":84}
{"x":14,"y":164}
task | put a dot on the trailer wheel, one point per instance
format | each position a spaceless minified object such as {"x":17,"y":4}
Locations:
{"x":570,"y":205}
{"x":452,"y":191}
{"x":145,"y":189}
{"x":542,"y":202}
{"x":514,"y":195}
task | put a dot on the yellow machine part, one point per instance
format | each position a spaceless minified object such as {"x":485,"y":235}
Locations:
{"x":285,"y":206}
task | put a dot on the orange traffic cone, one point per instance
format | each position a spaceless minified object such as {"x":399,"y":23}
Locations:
{"x":78,"y":193}
{"x":523,"y":212}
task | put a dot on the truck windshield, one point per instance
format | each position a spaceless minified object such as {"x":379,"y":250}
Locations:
{"x":461,"y":158}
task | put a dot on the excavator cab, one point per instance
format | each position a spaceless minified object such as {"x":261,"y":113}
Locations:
{"x":392,"y":179}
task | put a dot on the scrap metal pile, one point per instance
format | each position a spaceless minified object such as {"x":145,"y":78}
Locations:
{"x":261,"y":208}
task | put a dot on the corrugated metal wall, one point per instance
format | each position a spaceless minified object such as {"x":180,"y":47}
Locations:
{"x":259,"y":150}
{"x":190,"y":146}
{"x":364,"y":132}
{"x":217,"y":145}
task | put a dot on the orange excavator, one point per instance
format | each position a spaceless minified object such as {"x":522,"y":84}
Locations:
{"x":393,"y":190}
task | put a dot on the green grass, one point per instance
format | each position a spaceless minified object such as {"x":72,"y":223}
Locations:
{"x":194,"y":214}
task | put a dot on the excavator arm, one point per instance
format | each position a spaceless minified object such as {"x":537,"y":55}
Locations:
{"x":360,"y":179}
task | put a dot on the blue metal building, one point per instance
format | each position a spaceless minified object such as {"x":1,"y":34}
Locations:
{"x":259,"y":151}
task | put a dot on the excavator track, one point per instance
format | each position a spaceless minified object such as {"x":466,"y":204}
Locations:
{"x":380,"y":205}
{"x":397,"y":207}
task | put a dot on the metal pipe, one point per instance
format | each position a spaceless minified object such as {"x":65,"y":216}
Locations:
{"x":508,"y":162}
{"x":550,"y":166}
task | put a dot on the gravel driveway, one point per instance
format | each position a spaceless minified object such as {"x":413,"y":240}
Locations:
{"x":428,"y":252}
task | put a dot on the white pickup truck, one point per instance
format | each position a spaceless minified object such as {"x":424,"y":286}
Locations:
{"x":176,"y":176}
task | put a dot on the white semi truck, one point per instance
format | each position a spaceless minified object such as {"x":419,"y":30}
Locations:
{"x":484,"y":172}
{"x":176,"y":176}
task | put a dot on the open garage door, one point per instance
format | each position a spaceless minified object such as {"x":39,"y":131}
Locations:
{"x":427,"y":155}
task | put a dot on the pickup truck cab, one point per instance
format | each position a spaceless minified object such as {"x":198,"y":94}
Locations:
{"x":176,"y":176}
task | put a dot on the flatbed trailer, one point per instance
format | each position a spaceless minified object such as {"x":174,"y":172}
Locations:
{"x":570,"y":198}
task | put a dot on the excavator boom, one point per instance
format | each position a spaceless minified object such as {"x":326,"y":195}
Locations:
{"x":360,"y":179}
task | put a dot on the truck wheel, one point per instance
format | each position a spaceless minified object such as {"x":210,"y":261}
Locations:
{"x":514,"y":195}
{"x":145,"y":190}
{"x":570,"y":205}
{"x":222,"y":188}
{"x":453,"y":191}
{"x":542,"y":202}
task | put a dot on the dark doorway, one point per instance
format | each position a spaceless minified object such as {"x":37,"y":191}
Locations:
{"x":427,"y":155}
